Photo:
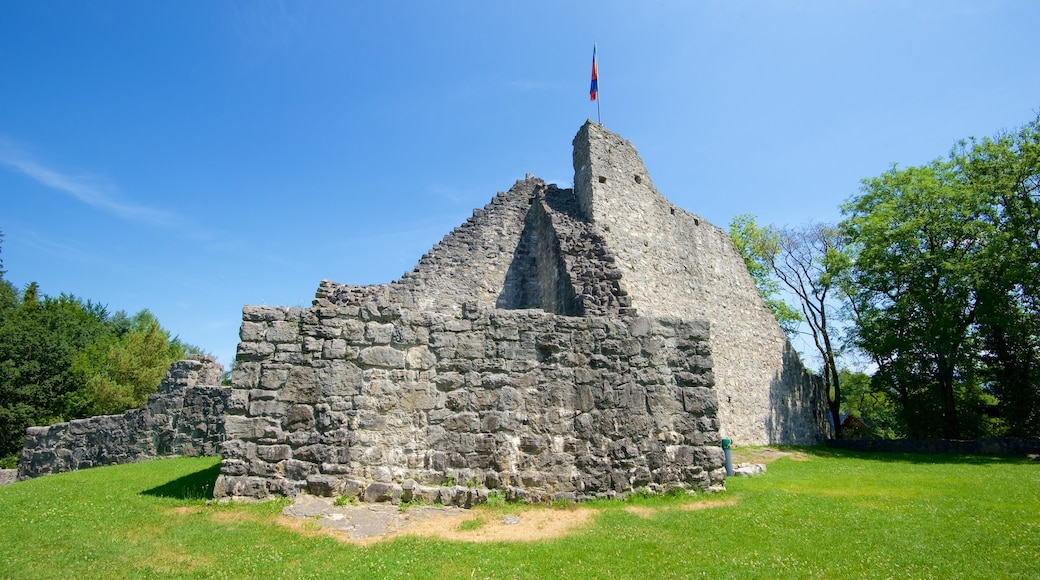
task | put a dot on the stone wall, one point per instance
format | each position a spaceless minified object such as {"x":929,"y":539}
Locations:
{"x":389,"y":403}
{"x":556,"y":344}
{"x":184,"y":417}
{"x":999,"y":446}
{"x":531,"y":247}
{"x":674,"y":263}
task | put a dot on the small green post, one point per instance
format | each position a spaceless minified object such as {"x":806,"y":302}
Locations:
{"x":729,"y":458}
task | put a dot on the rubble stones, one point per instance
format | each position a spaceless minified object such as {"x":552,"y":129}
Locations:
{"x":475,"y":414}
{"x":184,"y":417}
{"x":561,"y":343}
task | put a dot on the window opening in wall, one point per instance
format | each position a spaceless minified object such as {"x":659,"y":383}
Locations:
{"x":672,"y":210}
{"x":638,"y":179}
{"x":602,"y":179}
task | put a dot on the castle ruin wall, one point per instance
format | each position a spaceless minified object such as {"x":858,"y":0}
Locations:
{"x":674,"y":263}
{"x":184,"y":417}
{"x":382,"y":402}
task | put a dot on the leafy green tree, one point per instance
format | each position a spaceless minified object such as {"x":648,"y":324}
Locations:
{"x":756,"y":246}
{"x":872,"y":406}
{"x":945,"y":285}
{"x":918,"y":234}
{"x":37,"y":343}
{"x":118,"y":372}
{"x":806,"y":260}
{"x":1006,"y":170}
{"x":63,"y":358}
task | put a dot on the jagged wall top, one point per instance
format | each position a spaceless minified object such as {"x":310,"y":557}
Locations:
{"x":614,"y":246}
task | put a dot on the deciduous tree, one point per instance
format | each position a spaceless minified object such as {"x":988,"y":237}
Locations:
{"x":805,"y":261}
{"x":756,"y":246}
{"x":945,"y":283}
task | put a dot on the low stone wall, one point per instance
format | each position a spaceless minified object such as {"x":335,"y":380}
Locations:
{"x":1001,"y":447}
{"x":185,"y":417}
{"x":384,"y":403}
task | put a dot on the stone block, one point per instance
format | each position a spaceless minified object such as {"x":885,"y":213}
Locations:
{"x":273,"y":453}
{"x":420,"y":358}
{"x":313,"y":344}
{"x":299,"y":418}
{"x":272,"y":377}
{"x":250,"y":428}
{"x":252,"y":331}
{"x":299,"y":470}
{"x":240,"y":486}
{"x":301,"y":386}
{"x":262,"y":313}
{"x":699,"y":400}
{"x":382,"y":356}
{"x":378,"y":333}
{"x":381,"y":492}
{"x":283,"y":331}
{"x":322,"y":485}
{"x":267,"y":408}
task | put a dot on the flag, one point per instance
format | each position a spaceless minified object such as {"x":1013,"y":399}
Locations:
{"x":594,"y":89}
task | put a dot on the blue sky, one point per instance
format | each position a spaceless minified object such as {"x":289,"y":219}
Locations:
{"x":197,"y":156}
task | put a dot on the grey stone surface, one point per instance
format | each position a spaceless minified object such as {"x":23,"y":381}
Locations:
{"x":562,"y":343}
{"x":748,"y":469}
{"x":184,"y":417}
{"x":675,"y":263}
{"x":8,"y":476}
{"x":528,"y":402}
{"x":361,"y":522}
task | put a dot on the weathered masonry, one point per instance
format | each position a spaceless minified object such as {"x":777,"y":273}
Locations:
{"x":185,"y":417}
{"x":562,"y":343}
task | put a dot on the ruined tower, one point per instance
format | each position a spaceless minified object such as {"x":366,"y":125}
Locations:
{"x":562,"y":343}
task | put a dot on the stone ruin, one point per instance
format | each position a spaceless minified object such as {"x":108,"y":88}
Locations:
{"x":560,"y":344}
{"x":184,"y":417}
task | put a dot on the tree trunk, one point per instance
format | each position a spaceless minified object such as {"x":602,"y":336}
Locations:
{"x":951,"y":428}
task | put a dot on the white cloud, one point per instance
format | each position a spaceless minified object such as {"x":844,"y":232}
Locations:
{"x":84,"y":189}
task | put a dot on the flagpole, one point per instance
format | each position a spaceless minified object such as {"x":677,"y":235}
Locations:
{"x":599,"y":118}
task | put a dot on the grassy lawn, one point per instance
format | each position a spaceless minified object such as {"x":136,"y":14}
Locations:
{"x":819,"y":513}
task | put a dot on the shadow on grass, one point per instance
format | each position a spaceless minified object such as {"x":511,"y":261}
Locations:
{"x":920,"y":458}
{"x":198,"y":485}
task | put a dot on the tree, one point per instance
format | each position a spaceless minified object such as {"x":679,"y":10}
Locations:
{"x":117,"y":372}
{"x":945,"y":284}
{"x":64,"y":358}
{"x":37,"y":343}
{"x":756,"y":246}
{"x":1006,"y":171}
{"x":805,"y":260}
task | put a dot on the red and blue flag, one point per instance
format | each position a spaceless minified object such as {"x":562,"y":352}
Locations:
{"x":594,"y":89}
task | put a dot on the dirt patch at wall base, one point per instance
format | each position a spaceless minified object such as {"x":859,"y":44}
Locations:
{"x":366,"y":524}
{"x":369,"y":523}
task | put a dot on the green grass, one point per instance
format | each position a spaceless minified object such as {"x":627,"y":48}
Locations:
{"x":839,"y":514}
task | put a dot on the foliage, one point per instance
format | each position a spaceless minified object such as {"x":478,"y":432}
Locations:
{"x":65,"y":358}
{"x":912,"y":516}
{"x":37,"y":343}
{"x":944,"y":287}
{"x":756,"y":246}
{"x":872,"y":406}
{"x":804,"y":260}
{"x":117,"y":373}
{"x":1006,"y":172}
